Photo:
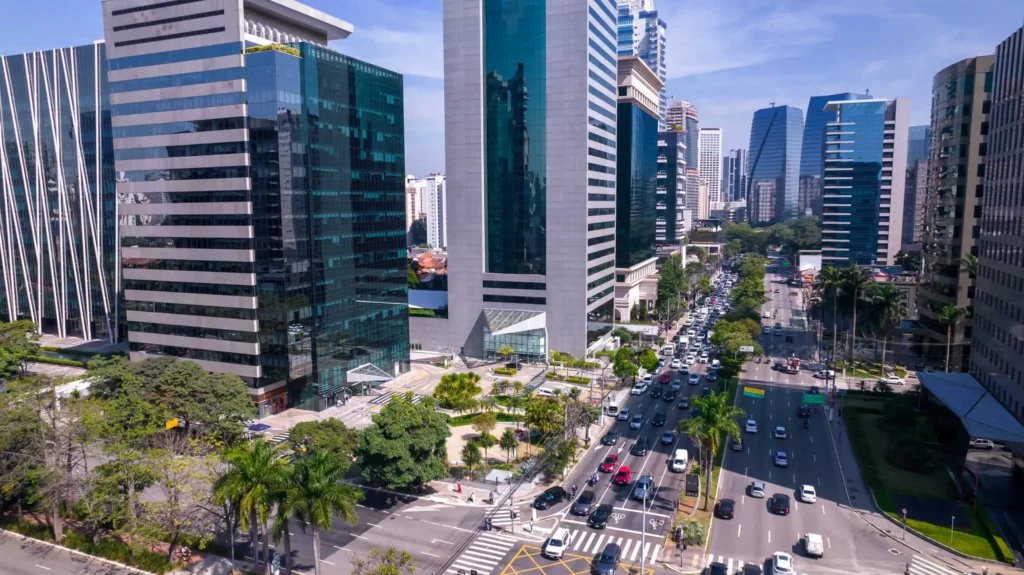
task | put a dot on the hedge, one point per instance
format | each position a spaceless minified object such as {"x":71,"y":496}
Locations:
{"x":504,"y":371}
{"x":59,"y":361}
{"x":468,"y":419}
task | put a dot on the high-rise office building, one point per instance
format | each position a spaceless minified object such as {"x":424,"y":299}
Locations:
{"x":865,"y":169}
{"x":415,"y":195}
{"x":961,"y":94}
{"x":709,"y":161}
{"x":258,"y":235}
{"x":918,"y":142}
{"x":513,"y":168}
{"x":692,"y":199}
{"x":761,"y":203}
{"x":997,"y":360}
{"x":914,"y":194}
{"x":734,"y":176}
{"x":437,"y":211}
{"x":703,"y":199}
{"x":682,"y":116}
{"x":642,"y":34}
{"x":58,"y":220}
{"x":775,"y":137}
{"x":672,"y":190}
{"x":811,"y":165}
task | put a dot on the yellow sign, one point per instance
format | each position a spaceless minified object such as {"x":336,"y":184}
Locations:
{"x":753,"y":392}
{"x":172,"y":423}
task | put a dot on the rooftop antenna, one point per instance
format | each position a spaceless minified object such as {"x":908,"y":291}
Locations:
{"x":771,"y":104}
{"x":867,"y":91}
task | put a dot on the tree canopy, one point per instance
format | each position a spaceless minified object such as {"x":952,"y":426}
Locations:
{"x":458,"y":391}
{"x":405,"y":444}
{"x":19,"y":343}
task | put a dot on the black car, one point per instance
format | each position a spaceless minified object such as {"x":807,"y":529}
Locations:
{"x":751,"y":569}
{"x":670,"y":396}
{"x":611,"y":438}
{"x":599,"y":518}
{"x":705,"y":392}
{"x":659,"y":419}
{"x":717,"y":568}
{"x":789,"y":339}
{"x":514,"y":365}
{"x":779,"y":504}
{"x":641,"y":447}
{"x":814,"y":390}
{"x":608,"y":561}
{"x":655,"y":392}
{"x":551,"y":496}
{"x":736,"y":444}
{"x":803,"y":411}
{"x":684,"y":403}
{"x":725,"y":509}
{"x":583,"y":503}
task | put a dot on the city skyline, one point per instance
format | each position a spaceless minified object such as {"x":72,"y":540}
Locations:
{"x":775,"y":47}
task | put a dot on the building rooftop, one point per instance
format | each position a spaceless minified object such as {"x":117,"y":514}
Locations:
{"x":303,"y":16}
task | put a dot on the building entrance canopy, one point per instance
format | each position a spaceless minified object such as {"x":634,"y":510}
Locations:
{"x":981,"y":414}
{"x":367,"y":372}
{"x":506,"y":321}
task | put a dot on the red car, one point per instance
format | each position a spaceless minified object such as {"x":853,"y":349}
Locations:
{"x":665,"y":378}
{"x":610,"y":463}
{"x":623,"y":476}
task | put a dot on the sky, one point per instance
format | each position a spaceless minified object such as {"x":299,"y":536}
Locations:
{"x":728,"y":57}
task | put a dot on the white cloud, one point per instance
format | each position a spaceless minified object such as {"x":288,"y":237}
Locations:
{"x":412,"y":52}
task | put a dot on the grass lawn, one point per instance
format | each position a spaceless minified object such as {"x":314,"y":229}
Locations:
{"x":977,"y":542}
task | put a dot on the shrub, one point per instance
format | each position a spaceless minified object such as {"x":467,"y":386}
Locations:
{"x":694,"y":533}
{"x":59,"y":361}
{"x":554,"y":376}
{"x":504,"y":371}
{"x":578,"y":380}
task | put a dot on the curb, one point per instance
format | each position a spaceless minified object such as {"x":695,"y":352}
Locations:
{"x":74,"y":551}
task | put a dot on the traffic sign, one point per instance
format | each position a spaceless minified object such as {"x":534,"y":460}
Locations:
{"x":746,"y":349}
{"x":754,"y":392}
{"x":814,"y":398}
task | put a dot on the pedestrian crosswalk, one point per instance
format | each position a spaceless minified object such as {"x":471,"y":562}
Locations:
{"x":483,"y":555}
{"x":922,"y":566}
{"x":736,"y":566}
{"x":388,"y":396}
{"x":633,"y":550}
{"x":280,"y":438}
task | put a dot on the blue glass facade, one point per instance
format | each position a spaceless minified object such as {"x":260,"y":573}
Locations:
{"x":692,"y":131}
{"x":918,"y":140}
{"x":636,"y":186}
{"x":774,"y":160}
{"x":515,"y":118}
{"x":858,"y":160}
{"x":327,"y":140}
{"x":57,"y":223}
{"x":812,"y":148}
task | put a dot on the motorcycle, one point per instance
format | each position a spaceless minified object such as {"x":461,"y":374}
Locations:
{"x":757,"y":359}
{"x":592,"y":481}
{"x":807,"y":424}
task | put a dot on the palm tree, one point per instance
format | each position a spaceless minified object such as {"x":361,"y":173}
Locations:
{"x":319,"y":494}
{"x":255,"y":473}
{"x":508,"y":442}
{"x":949,"y":316}
{"x":504,"y":351}
{"x":859,"y":280}
{"x":887,"y":310}
{"x":488,"y":404}
{"x":286,"y":512}
{"x":830,"y":280}
{"x":969,"y":265}
{"x":716,"y":420}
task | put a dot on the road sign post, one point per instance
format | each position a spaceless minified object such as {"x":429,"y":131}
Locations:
{"x":904,"y":513}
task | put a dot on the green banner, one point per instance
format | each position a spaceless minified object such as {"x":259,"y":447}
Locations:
{"x":812,"y":398}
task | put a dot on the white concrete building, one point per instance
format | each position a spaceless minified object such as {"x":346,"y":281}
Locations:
{"x":436,"y":211}
{"x":709,"y":161}
{"x":415,"y":193}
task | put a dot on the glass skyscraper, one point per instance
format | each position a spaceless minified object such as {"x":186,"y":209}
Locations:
{"x":672,"y":188}
{"x":919,"y":138}
{"x":862,"y":204}
{"x":642,"y":33}
{"x":57,"y":250}
{"x":774,"y":163}
{"x":812,"y":150}
{"x":260,"y":184}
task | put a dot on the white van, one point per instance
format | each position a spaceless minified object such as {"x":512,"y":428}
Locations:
{"x":684,"y":341}
{"x":813,"y":545}
{"x":557,"y":544}
{"x":715,"y":364}
{"x":668,"y":349}
{"x":613,"y":407}
{"x":680,"y":460}
{"x":544,"y":392}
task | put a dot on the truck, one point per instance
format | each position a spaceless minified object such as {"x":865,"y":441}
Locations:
{"x":813,"y":545}
{"x":793,"y":365}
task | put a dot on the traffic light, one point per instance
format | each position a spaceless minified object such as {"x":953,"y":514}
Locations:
{"x":513,"y":514}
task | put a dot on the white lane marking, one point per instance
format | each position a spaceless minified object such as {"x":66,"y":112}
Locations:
{"x":739,"y":530}
{"x":368,"y":523}
{"x":589,"y":540}
{"x":796,"y":505}
{"x":636,"y":549}
{"x":819,"y":481}
{"x":647,"y":547}
{"x":812,"y":439}
{"x":729,"y":566}
{"x":360,"y":536}
{"x":769,"y":475}
{"x":794,"y":478}
{"x":625,"y":550}
{"x":829,"y":541}
{"x":744,"y":472}
{"x":822,"y":509}
{"x":41,"y":567}
{"x":654,"y":553}
{"x":327,"y":562}
{"x":441,"y":540}
{"x":743,"y":499}
{"x":769,"y":536}
{"x":815,"y":457}
{"x":431,"y":554}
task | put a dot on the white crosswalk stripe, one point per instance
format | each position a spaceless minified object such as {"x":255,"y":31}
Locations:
{"x":585,"y":541}
{"x":483,"y":555}
{"x":921,"y":566}
{"x":280,"y":438}
{"x":387,"y":397}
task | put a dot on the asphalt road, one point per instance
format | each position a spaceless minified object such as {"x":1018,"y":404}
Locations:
{"x":851,"y":546}
{"x":29,"y":558}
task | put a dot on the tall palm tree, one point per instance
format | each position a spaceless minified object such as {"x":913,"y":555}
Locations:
{"x":716,"y":420}
{"x":255,"y":473}
{"x":830,"y":280}
{"x":286,"y":511}
{"x":949,"y":316}
{"x":319,"y":494}
{"x":859,"y":281}
{"x":886,"y":311}
{"x":969,"y":264}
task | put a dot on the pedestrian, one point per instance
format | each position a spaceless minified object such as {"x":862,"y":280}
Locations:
{"x":459,"y":485}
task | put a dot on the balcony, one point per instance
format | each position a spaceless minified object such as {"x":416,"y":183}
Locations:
{"x":662,"y":190}
{"x":662,"y":174}
{"x":662,"y":159}
{"x":661,"y":206}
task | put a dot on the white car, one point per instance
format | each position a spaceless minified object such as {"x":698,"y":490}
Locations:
{"x":676,"y":364}
{"x":751,"y":426}
{"x":892,"y":380}
{"x":782,"y":563}
{"x":825,"y":374}
{"x":807,"y":494}
{"x":767,"y":330}
{"x":557,"y":545}
{"x":647,"y":379}
{"x":704,"y":357}
{"x":757,"y":489}
{"x":691,"y":332}
{"x":694,"y":378}
{"x":637,"y":422}
{"x":781,"y":459}
{"x":690,"y":359}
{"x":639,"y":389}
{"x":624,"y":414}
{"x":982,"y":444}
{"x":780,"y":432}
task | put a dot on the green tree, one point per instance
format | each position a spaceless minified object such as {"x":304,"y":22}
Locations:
{"x":887,"y":311}
{"x":950,"y":316}
{"x":508,"y":443}
{"x":625,"y":336}
{"x":255,"y":475}
{"x":286,"y":511}
{"x":458,"y":391}
{"x":909,"y":261}
{"x":390,"y":562}
{"x":831,"y":280}
{"x":418,"y":232}
{"x":623,"y":365}
{"x":543,"y":415}
{"x":648,"y":359}
{"x":484,"y":423}
{"x":19,"y":344}
{"x":471,"y":455}
{"x":969,"y":265}
{"x":412,"y":279}
{"x":715,"y":420}
{"x":486,"y":441}
{"x":858,"y":281}
{"x":505,"y":351}
{"x":218,"y":403}
{"x":330,"y":435}
{"x":405,"y":445}
{"x":319,"y":495}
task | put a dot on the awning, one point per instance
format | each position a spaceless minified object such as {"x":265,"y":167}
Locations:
{"x":506,"y":321}
{"x":368,"y":372}
{"x":981,"y":414}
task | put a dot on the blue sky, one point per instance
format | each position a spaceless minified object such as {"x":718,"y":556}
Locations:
{"x":729,"y":57}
